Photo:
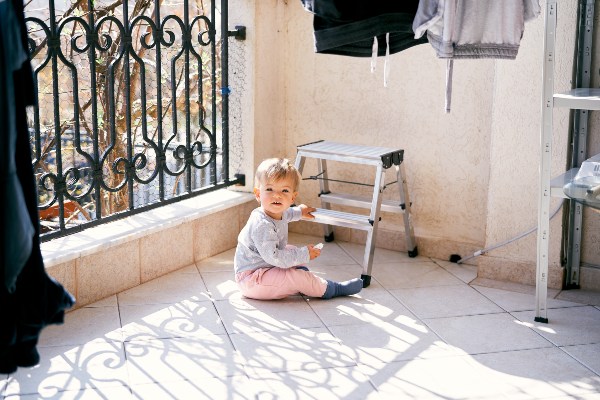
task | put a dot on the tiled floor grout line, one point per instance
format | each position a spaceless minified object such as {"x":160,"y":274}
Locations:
{"x":474,"y":287}
{"x":349,"y":255}
{"x":227,"y":333}
{"x":213,"y":301}
{"x":452,"y":273}
{"x":487,"y":297}
{"x":530,"y":327}
{"x":123,"y":343}
{"x":561,"y":348}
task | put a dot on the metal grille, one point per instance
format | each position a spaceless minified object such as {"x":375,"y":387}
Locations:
{"x":132,"y":106}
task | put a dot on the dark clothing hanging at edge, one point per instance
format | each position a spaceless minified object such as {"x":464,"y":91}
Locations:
{"x":347,"y":27}
{"x":29,"y":298}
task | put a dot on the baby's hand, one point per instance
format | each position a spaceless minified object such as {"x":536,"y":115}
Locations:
{"x":313,"y":251}
{"x":306,"y":211}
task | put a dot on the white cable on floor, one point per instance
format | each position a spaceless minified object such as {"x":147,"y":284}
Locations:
{"x":487,"y":249}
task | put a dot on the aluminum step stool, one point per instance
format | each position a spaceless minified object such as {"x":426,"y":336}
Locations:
{"x":380,"y":157}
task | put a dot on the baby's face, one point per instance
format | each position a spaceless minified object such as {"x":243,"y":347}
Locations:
{"x":276,"y":196}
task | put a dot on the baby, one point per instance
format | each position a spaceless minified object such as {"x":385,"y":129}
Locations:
{"x":266,"y":267}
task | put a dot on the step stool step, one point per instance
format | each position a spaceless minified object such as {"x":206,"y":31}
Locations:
{"x":346,"y":199}
{"x":351,"y":153}
{"x":340,"y":218}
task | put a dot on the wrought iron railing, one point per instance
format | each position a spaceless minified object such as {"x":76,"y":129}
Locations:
{"x":132,"y":107}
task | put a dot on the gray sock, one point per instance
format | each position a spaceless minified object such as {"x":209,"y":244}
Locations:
{"x":346,"y":288}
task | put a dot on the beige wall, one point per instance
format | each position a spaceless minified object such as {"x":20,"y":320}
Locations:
{"x":515,"y":154}
{"x":472,"y":174}
{"x":337,"y":98}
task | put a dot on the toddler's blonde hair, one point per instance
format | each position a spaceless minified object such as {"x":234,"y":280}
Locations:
{"x":274,"y":169}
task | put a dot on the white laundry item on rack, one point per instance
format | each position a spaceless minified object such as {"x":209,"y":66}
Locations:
{"x":473,"y":29}
{"x":585,"y":186}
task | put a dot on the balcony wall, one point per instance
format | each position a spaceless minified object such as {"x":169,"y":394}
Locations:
{"x":111,"y":258}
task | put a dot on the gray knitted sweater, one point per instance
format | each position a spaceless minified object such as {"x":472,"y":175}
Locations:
{"x":263,"y":242}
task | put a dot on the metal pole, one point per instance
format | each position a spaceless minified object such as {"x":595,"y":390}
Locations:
{"x":580,"y":130}
{"x":541,"y":287}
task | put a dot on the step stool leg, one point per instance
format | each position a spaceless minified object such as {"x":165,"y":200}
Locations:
{"x":372,"y":233}
{"x":411,"y":244}
{"x":324,"y":186}
{"x":299,"y":163}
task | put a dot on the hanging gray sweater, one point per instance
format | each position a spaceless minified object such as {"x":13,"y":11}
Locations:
{"x":473,"y":29}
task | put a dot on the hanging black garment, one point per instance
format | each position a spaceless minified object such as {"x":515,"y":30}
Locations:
{"x":29,"y":298}
{"x":348,"y":27}
{"x":18,"y":228}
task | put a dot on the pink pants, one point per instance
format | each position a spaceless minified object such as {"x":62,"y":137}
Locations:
{"x":277,"y":283}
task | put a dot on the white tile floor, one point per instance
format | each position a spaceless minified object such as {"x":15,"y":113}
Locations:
{"x":419,"y":331}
